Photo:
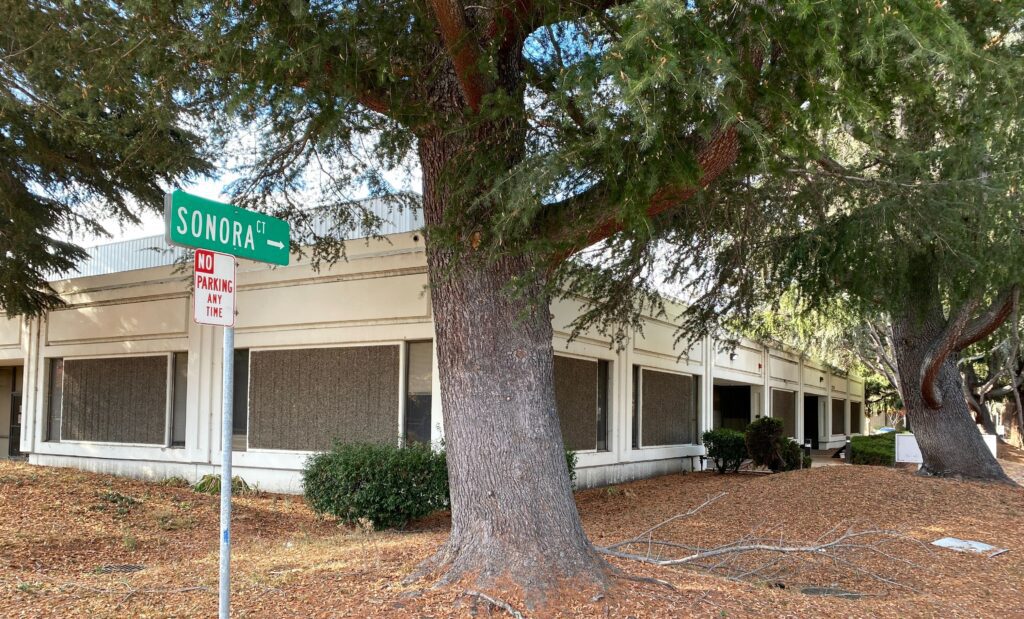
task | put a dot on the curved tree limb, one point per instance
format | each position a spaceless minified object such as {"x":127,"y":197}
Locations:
{"x":463,"y":48}
{"x":986,"y":324}
{"x":715,"y":155}
{"x":960,"y":333}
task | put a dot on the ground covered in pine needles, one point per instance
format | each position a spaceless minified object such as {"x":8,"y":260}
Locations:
{"x":77,"y":544}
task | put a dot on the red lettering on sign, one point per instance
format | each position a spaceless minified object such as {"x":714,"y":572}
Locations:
{"x":204,"y":261}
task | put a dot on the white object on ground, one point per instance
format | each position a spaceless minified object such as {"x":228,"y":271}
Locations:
{"x":907,"y":449}
{"x":966,"y":545}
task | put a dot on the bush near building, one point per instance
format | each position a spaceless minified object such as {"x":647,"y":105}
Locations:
{"x":765,"y":443}
{"x":726,"y":448}
{"x":384,"y":485}
{"x":793,"y":456}
{"x":877,"y":449}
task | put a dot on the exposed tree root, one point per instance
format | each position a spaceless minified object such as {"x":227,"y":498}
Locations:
{"x":490,"y":576}
{"x":503,"y":605}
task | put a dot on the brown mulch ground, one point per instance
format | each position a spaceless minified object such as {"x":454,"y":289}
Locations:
{"x":60,"y":530}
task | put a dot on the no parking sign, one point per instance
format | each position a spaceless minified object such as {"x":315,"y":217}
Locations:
{"x":214,"y":293}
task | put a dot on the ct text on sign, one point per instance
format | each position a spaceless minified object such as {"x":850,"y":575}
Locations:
{"x":214,"y":294}
{"x":205,"y":224}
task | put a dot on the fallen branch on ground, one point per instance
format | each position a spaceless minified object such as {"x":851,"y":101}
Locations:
{"x":764,"y":556}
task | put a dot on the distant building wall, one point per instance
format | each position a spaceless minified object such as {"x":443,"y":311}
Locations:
{"x":327,"y":356}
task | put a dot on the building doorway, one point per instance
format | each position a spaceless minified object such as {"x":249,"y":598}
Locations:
{"x":811,"y":408}
{"x":11,"y":379}
{"x":731,"y":407}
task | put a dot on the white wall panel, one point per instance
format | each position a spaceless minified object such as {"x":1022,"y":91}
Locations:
{"x":659,"y":338}
{"x":815,"y":378}
{"x":10,"y":332}
{"x":386,"y":298}
{"x":744,"y":359}
{"x":783,"y":369}
{"x":142,"y":319}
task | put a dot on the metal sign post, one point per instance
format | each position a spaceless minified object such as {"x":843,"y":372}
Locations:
{"x":227,"y":416}
{"x":206,"y":225}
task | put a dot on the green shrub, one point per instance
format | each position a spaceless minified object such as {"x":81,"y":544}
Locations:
{"x":763,"y":444}
{"x":792,"y":454}
{"x":386,"y":485}
{"x":726,"y":448}
{"x":877,"y":449}
{"x":570,"y":462}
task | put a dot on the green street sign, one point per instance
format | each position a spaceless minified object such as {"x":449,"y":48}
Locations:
{"x":204,"y":224}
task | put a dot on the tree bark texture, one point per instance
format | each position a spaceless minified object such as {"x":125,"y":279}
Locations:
{"x":948,"y":437}
{"x":514,"y":519}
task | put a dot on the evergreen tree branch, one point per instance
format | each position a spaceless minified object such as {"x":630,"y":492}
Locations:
{"x":555,"y":12}
{"x":463,"y":49}
{"x":593,"y":211}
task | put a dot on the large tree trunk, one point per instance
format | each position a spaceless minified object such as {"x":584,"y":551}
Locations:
{"x":514,"y":519}
{"x":948,"y":437}
{"x":1013,"y":425}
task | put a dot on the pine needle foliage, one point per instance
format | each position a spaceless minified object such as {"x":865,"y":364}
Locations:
{"x":92,"y":127}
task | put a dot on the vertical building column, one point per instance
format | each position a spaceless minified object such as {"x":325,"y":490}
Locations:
{"x":846,"y":415}
{"x":800,"y":400}
{"x":828,"y":429}
{"x":213,"y":372}
{"x":436,"y":412}
{"x":197,"y":410}
{"x":622,"y":403}
{"x":766,"y":396}
{"x":707,"y":413}
{"x":33,"y":415}
{"x":403,"y":388}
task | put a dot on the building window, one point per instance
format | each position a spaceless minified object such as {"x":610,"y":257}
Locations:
{"x":115,"y":400}
{"x":784,"y":408}
{"x":419,"y":391}
{"x":55,"y":399}
{"x":636,"y":407}
{"x":581,"y":398}
{"x":856,"y":417}
{"x":179,"y":392}
{"x":306,"y":399}
{"x":665,"y":408}
{"x":838,"y":416}
{"x":240,"y":402}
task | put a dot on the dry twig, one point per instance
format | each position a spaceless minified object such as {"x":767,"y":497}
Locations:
{"x":505,"y":606}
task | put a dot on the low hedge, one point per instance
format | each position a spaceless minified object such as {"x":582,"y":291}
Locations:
{"x":726,"y":448}
{"x":877,"y":449}
{"x":385,"y":485}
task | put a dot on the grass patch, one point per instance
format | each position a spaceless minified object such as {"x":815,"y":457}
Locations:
{"x":171,"y":521}
{"x":122,"y":503}
{"x":210,"y":484}
{"x":175,"y":481}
